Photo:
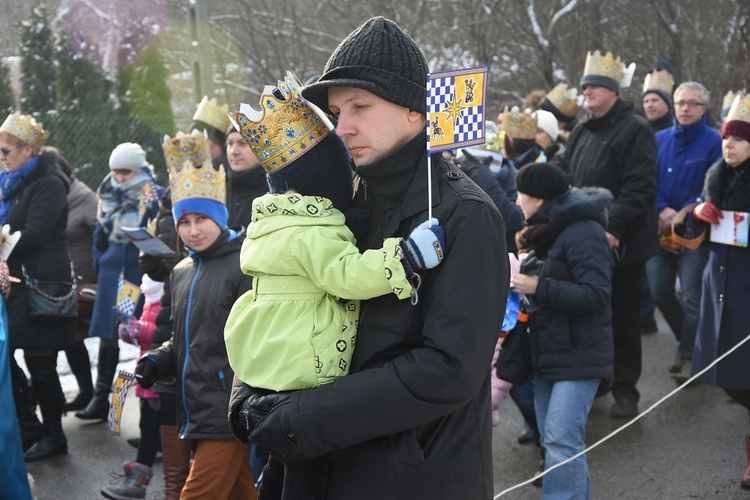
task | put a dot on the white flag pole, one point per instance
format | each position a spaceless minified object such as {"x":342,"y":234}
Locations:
{"x":429,"y":162}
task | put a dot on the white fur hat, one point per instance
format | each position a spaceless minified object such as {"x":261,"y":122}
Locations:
{"x":152,"y":290}
{"x":127,"y":156}
{"x":547,"y":122}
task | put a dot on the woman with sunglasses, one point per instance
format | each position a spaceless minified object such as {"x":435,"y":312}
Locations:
{"x":33,"y":202}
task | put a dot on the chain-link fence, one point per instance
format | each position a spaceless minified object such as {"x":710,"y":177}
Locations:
{"x":87,"y":141}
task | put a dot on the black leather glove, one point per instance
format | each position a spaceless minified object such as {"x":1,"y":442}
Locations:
{"x":267,"y":420}
{"x":146,"y":372}
{"x":240,"y":392}
{"x":150,"y":264}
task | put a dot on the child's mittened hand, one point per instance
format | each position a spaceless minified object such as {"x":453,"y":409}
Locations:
{"x":129,"y":331}
{"x":424,"y":246}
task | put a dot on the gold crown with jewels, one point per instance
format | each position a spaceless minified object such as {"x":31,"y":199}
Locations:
{"x":726,"y":103}
{"x":213,"y":114}
{"x":191,"y":174}
{"x":740,"y":109}
{"x":285,"y":127}
{"x":566,"y":100}
{"x":659,"y":81}
{"x":519,"y":125}
{"x":609,"y":66}
{"x":25,"y":128}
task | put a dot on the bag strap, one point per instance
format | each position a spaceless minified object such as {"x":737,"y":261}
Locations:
{"x":32,"y":284}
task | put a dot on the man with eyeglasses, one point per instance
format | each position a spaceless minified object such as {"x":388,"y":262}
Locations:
{"x":685,"y":152}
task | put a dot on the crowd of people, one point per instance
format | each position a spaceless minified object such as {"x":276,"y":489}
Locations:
{"x":311,"y":332}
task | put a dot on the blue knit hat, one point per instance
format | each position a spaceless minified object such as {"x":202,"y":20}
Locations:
{"x":210,"y":208}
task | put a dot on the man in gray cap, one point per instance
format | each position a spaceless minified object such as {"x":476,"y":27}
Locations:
{"x":412,"y":420}
{"x":615,"y":149}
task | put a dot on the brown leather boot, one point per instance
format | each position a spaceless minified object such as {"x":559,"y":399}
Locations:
{"x":745,"y":483}
{"x":175,"y":461}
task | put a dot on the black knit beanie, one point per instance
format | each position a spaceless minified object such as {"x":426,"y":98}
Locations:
{"x":542,"y":180}
{"x":663,"y":62}
{"x":666,"y":98}
{"x":377,"y":57}
{"x":322,"y":170}
{"x":601,"y":81}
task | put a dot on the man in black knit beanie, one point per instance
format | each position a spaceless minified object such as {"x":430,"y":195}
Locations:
{"x":412,"y":419}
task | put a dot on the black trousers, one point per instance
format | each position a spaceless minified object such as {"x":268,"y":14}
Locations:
{"x":626,"y":300}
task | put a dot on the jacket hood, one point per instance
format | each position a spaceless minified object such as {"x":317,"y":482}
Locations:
{"x":580,"y":204}
{"x":274,"y":212}
{"x":48,"y":166}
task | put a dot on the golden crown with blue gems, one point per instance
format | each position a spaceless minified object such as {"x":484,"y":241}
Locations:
{"x":285,"y":127}
{"x":25,"y":128}
{"x":191,"y":174}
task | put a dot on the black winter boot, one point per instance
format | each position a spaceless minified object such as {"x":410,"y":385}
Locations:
{"x":25,"y":402}
{"x":80,"y":365}
{"x":46,"y":384}
{"x":98,"y":407}
{"x":53,"y":443}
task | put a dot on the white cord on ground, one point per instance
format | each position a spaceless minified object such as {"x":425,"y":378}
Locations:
{"x":618,"y":430}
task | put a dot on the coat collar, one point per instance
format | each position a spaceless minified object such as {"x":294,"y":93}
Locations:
{"x":400,"y":182}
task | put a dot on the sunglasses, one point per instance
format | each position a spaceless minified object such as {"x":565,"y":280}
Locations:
{"x":6,"y":151}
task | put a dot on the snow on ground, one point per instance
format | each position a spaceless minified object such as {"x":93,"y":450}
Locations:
{"x":128,"y":354}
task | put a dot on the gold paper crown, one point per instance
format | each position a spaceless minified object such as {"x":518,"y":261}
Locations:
{"x":609,"y":66}
{"x":211,"y":113}
{"x":726,"y":103}
{"x":189,"y":177}
{"x":25,"y":128}
{"x":740,"y":109}
{"x":519,"y":125}
{"x":285,"y":127}
{"x":660,"y":81}
{"x":181,"y":148}
{"x":565,"y":100}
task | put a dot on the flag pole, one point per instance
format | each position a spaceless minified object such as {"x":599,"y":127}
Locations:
{"x":429,"y":161}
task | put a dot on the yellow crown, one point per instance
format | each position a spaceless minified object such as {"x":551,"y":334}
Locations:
{"x":213,"y":114}
{"x":609,"y":66}
{"x":740,"y":109}
{"x":565,"y":100}
{"x":25,"y":128}
{"x":519,"y":125}
{"x":181,"y":148}
{"x":660,"y":81}
{"x":726,"y":103}
{"x":285,"y":127}
{"x":191,"y":174}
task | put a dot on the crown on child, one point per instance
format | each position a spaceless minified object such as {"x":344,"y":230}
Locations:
{"x":25,"y":128}
{"x":285,"y":127}
{"x":213,"y":114}
{"x":609,"y":66}
{"x":191,"y":174}
{"x":565,"y":100}
{"x":740,"y":109}
{"x":658,"y":81}
{"x":519,"y":125}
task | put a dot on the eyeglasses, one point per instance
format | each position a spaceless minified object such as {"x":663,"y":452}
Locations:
{"x":6,"y":151}
{"x":689,"y":104}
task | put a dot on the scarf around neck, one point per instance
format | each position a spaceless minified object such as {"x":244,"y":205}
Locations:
{"x":9,"y":184}
{"x":119,"y":204}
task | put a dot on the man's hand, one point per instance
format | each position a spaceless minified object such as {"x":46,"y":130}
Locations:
{"x":522,"y":283}
{"x":707,"y":212}
{"x":613,"y":241}
{"x":267,"y":420}
{"x":665,"y":220}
